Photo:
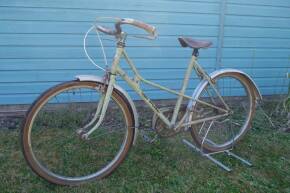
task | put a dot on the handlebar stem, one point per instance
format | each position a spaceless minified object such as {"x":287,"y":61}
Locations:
{"x":118,"y":27}
{"x":121,"y":39}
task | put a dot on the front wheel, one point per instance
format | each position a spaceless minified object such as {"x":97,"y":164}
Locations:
{"x":222,"y":133}
{"x":54,"y":149}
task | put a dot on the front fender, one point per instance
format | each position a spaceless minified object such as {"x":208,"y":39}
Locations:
{"x":120,"y":90}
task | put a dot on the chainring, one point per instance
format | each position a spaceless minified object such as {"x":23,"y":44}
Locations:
{"x":162,"y":129}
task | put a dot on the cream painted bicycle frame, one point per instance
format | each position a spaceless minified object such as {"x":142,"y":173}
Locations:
{"x":134,"y":84}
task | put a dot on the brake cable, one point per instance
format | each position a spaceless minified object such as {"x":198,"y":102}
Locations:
{"x":102,"y":47}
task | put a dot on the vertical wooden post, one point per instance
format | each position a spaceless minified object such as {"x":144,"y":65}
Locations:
{"x":220,"y":40}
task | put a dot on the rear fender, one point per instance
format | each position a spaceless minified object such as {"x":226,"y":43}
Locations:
{"x":216,"y":73}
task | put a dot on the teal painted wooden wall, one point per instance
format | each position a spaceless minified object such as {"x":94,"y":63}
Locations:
{"x":41,"y":41}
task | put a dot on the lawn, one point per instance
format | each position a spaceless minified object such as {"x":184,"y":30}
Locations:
{"x":167,"y":165}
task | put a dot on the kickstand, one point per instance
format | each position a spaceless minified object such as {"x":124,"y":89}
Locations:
{"x":217,"y":162}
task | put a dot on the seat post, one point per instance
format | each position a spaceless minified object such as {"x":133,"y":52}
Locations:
{"x":195,"y":52}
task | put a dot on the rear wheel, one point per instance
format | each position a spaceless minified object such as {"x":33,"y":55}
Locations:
{"x":222,"y":133}
{"x":52,"y":146}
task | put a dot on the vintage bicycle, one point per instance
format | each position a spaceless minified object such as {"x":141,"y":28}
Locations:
{"x":82,"y":129}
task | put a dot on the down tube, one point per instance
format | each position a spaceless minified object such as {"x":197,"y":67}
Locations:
{"x":137,"y":89}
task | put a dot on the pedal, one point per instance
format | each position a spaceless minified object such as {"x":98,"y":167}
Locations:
{"x":187,"y":129}
{"x":147,"y":138}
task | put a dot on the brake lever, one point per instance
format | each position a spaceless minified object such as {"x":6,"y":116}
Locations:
{"x":105,"y":30}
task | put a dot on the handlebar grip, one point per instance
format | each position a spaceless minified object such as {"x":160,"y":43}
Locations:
{"x":148,"y":28}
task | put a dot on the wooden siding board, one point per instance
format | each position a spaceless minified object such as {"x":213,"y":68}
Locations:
{"x":270,"y":22}
{"x":253,"y":63}
{"x":38,"y":87}
{"x":259,"y":32}
{"x":81,"y":27}
{"x":62,"y":75}
{"x":148,"y":5}
{"x":238,"y":42}
{"x":77,"y":52}
{"x":255,"y":53}
{"x":141,"y":63}
{"x":45,"y":14}
{"x":75,"y":64}
{"x":26,"y":98}
{"x":257,"y":10}
{"x":276,"y":3}
{"x":76,"y":40}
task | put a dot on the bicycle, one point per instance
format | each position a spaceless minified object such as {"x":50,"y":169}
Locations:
{"x":93,"y":122}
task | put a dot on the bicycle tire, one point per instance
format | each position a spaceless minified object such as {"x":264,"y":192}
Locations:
{"x":208,"y":147}
{"x":55,"y":178}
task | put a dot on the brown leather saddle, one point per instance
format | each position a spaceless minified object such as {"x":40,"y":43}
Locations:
{"x":195,"y":44}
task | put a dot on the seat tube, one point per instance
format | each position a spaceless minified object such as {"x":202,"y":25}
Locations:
{"x":183,"y":89}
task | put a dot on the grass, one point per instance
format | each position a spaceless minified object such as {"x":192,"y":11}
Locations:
{"x":168,"y":166}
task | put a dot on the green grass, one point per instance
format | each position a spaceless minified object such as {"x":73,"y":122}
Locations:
{"x":168,"y":166}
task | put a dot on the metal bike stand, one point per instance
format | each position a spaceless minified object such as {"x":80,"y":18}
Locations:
{"x":208,"y":156}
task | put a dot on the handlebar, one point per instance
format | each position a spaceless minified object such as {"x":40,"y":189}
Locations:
{"x":148,"y":28}
{"x":106,"y":30}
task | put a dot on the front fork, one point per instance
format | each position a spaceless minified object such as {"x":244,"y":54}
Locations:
{"x":105,"y":99}
{"x":101,"y":109}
